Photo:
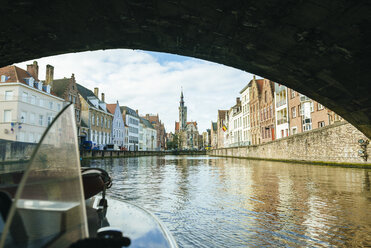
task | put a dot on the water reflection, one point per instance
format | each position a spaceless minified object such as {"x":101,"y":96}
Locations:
{"x":218,"y":202}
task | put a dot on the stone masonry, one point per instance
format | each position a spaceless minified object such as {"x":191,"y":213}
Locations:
{"x":337,"y":143}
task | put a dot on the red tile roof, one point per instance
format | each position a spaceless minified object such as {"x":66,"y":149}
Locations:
{"x":111,"y":107}
{"x":193,"y":122}
{"x":16,"y":74}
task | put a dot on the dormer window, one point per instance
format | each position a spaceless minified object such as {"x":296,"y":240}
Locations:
{"x":39,"y":85}
{"x":4,"y":78}
{"x":47,"y":88}
{"x":31,"y":81}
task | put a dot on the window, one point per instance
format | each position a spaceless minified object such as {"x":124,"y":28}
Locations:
{"x":293,"y":112}
{"x":321,"y":124}
{"x":97,"y":120}
{"x":32,"y":118}
{"x":3,"y":78}
{"x":293,"y":94}
{"x":77,"y":115}
{"x":8,"y":95}
{"x":33,"y":99}
{"x":50,"y":119}
{"x":265,"y":96}
{"x":7,"y":115}
{"x":51,"y":105}
{"x":41,"y":120}
{"x":41,"y":102}
{"x":58,"y":106}
{"x":69,"y":98}
{"x":74,"y":99}
{"x":24,"y":96}
{"x":301,"y":110}
{"x":311,"y":107}
{"x":320,"y":106}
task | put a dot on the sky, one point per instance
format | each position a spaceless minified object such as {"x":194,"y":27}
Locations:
{"x":151,"y":82}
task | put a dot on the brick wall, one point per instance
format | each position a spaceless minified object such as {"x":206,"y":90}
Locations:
{"x":337,"y":143}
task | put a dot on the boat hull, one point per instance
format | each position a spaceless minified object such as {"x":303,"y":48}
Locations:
{"x":141,"y":226}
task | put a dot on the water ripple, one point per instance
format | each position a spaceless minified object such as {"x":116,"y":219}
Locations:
{"x":218,"y":202}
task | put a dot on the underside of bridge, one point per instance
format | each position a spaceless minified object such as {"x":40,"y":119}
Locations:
{"x":320,"y":48}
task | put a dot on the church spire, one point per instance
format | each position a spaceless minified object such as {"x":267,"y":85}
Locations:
{"x":181,"y":96}
{"x":182,"y":112}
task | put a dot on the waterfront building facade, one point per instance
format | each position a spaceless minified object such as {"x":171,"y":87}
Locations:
{"x":214,"y":135}
{"x":160,"y":130}
{"x":245,"y":103}
{"x":307,"y":114}
{"x":267,"y":112}
{"x":95,"y":115}
{"x":256,"y":89}
{"x":282,"y":110}
{"x":131,"y":119}
{"x":66,"y":88}
{"x":147,"y":136}
{"x":220,"y":131}
{"x":235,"y":124}
{"x":27,"y":105}
{"x":118,"y":133}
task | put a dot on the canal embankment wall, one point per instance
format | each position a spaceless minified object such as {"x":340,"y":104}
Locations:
{"x":13,"y":151}
{"x":118,"y":154}
{"x":334,"y":144}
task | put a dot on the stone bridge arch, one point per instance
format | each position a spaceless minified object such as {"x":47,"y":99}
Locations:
{"x":320,"y":48}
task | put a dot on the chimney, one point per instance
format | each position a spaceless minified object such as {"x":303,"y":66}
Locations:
{"x":33,"y":69}
{"x":238,"y":100}
{"x":137,"y":111}
{"x":49,"y":75}
{"x":96,"y":92}
{"x":102,"y":97}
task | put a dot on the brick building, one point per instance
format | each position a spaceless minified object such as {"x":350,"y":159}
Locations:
{"x":267,"y":111}
{"x":256,"y":89}
{"x":66,"y":88}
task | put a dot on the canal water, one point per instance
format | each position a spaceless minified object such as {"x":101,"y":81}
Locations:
{"x":225,"y":202}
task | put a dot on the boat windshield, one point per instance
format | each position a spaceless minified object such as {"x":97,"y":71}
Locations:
{"x":48,"y":207}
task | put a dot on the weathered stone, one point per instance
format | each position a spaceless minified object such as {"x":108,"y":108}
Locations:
{"x":337,"y":143}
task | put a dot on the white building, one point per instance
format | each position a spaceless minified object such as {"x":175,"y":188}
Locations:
{"x":245,"y":103}
{"x":131,"y":119}
{"x":27,"y":106}
{"x":235,"y":125}
{"x":282,"y":118}
{"x":118,"y":132}
{"x":147,"y":136}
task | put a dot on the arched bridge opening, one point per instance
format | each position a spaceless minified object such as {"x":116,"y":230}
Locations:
{"x":319,"y":48}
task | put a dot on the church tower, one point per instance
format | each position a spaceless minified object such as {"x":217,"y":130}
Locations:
{"x":182,"y":113}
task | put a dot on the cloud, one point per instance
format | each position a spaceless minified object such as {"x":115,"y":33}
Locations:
{"x":151,"y":82}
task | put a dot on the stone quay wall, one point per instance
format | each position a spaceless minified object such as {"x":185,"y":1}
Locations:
{"x":13,"y":151}
{"x":118,"y":154}
{"x":334,"y":144}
